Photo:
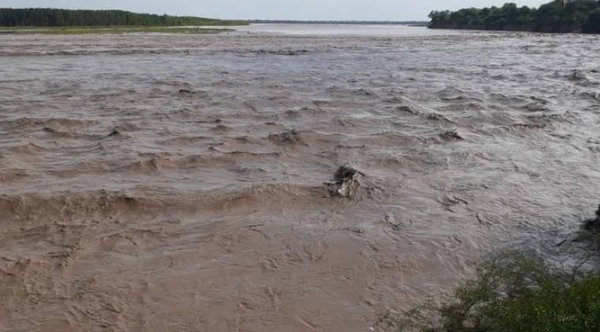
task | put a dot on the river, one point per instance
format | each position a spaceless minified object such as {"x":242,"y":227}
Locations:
{"x":164,"y":182}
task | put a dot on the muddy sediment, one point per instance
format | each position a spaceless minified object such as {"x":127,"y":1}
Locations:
{"x":161,"y":183}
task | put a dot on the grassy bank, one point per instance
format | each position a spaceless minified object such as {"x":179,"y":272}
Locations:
{"x":109,"y":30}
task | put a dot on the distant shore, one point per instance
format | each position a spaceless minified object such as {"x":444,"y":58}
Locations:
{"x":409,"y":23}
{"x":109,"y":30}
{"x":62,"y":18}
{"x":555,"y":17}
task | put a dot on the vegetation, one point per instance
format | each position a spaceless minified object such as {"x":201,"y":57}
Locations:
{"x":592,"y":25}
{"x":515,"y":292}
{"x":41,"y":17}
{"x":511,"y":292}
{"x":556,"y":16}
{"x":109,"y":30}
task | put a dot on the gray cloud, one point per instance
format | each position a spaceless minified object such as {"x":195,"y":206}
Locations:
{"x":276,"y":9}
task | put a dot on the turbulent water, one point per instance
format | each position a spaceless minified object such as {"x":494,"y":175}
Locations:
{"x":176,"y":182}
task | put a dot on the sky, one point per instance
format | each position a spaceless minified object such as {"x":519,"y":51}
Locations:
{"x":364,"y":10}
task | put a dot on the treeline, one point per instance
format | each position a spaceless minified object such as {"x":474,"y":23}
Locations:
{"x":557,"y":16}
{"x":42,"y":17}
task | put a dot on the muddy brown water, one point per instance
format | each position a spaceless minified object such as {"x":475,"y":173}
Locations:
{"x":175,"y":182}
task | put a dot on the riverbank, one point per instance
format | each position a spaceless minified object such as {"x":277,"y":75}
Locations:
{"x":62,"y":18}
{"x":109,"y":30}
{"x":573,"y":17}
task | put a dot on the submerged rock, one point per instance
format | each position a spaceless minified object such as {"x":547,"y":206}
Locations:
{"x":346,"y":182}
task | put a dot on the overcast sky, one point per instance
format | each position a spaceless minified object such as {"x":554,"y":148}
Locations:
{"x":396,"y":10}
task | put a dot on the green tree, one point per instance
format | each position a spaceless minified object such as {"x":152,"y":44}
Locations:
{"x":60,"y":17}
{"x":551,"y":17}
{"x":592,"y":24}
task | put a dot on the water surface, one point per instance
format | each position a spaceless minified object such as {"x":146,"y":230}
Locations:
{"x":175,"y":182}
{"x":375,"y":30}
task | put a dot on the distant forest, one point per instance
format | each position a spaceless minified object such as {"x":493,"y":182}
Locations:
{"x":42,"y":17}
{"x":557,"y":16}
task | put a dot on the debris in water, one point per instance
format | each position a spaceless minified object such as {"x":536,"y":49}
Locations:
{"x":577,"y":75}
{"x":114,"y":133}
{"x":407,"y":109}
{"x":289,"y":137}
{"x":451,"y":136}
{"x":345,"y":183}
{"x":435,"y":117}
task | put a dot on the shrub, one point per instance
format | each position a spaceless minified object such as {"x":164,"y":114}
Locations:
{"x":511,"y":292}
